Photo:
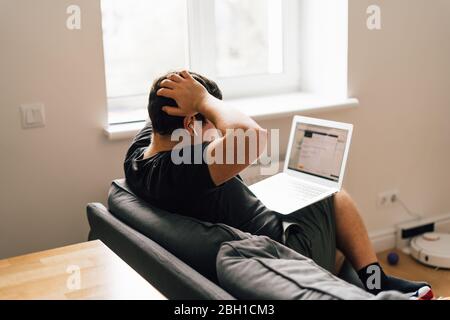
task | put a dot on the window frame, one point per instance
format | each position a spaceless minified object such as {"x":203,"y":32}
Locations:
{"x":201,"y":57}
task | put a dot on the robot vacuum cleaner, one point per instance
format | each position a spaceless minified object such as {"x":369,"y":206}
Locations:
{"x":432,"y":249}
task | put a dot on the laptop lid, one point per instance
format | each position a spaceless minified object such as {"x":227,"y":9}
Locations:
{"x":318,"y":150}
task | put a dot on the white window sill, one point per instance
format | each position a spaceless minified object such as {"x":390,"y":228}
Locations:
{"x":259,"y":108}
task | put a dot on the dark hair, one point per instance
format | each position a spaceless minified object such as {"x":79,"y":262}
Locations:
{"x":163,"y":123}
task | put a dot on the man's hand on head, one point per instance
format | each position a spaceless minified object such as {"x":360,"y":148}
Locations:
{"x":188,"y":93}
{"x":192,"y":98}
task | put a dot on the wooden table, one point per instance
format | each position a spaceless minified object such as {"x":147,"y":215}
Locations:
{"x":88,"y":270}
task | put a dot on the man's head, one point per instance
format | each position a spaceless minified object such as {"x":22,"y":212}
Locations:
{"x":165,"y":124}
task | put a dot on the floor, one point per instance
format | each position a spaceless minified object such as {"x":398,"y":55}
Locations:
{"x":408,"y":268}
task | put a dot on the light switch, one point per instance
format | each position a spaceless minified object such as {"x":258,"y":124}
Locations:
{"x":33,"y":115}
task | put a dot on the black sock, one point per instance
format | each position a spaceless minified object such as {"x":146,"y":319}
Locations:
{"x":375,"y":280}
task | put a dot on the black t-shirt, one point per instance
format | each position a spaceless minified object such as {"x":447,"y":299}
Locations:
{"x":188,"y":189}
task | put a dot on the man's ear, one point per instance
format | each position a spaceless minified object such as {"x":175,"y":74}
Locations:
{"x":189,"y":123}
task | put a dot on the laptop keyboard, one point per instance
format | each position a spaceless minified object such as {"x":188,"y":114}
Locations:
{"x":303,"y":191}
{"x":285,"y":194}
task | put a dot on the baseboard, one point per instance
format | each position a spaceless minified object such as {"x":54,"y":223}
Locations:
{"x":383,"y":240}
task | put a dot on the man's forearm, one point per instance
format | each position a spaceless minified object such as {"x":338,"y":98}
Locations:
{"x":225,"y":117}
{"x":231,"y":122}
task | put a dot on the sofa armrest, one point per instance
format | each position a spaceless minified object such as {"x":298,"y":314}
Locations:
{"x":174,"y":278}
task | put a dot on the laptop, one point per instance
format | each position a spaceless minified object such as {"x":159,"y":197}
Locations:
{"x":313,"y":169}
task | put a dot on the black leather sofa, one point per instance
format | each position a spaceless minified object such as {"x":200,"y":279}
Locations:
{"x":176,"y":254}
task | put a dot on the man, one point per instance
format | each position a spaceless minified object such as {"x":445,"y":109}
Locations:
{"x":214,"y":191}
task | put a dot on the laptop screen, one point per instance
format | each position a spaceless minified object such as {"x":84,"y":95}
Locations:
{"x":318,"y":150}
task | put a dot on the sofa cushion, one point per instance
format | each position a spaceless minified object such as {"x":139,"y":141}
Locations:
{"x":260,"y":268}
{"x":194,"y":242}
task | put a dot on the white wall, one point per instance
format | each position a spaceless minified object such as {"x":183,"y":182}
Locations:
{"x":48,"y":175}
{"x":401,"y":75}
{"x":323,"y":47}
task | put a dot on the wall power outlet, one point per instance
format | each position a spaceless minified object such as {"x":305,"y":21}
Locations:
{"x":387,"y":198}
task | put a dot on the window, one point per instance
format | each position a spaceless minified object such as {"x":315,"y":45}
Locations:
{"x":247,"y":46}
{"x":258,"y":50}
